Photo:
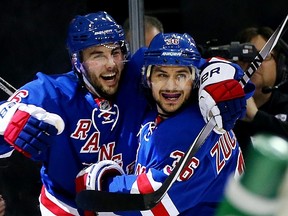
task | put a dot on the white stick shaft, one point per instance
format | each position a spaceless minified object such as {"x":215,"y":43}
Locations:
{"x":7,"y":87}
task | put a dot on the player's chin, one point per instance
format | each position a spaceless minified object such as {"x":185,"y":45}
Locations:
{"x":171,"y":107}
{"x":111,"y":91}
{"x":256,"y":77}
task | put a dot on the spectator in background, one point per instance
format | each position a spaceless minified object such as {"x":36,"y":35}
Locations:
{"x":267,"y":110}
{"x":152,"y":27}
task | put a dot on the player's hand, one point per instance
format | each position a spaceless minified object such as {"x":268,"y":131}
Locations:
{"x":28,"y":128}
{"x":94,"y":177}
{"x":251,"y":110}
{"x":220,"y":94}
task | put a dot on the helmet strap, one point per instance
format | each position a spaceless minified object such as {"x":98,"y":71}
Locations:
{"x":80,"y":70}
{"x":89,"y":86}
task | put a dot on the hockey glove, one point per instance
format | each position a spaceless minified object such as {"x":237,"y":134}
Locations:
{"x":220,"y":94}
{"x":27,"y":127}
{"x":94,"y":177}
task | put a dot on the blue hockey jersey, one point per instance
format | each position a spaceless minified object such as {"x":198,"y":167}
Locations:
{"x":200,"y":186}
{"x":92,"y":132}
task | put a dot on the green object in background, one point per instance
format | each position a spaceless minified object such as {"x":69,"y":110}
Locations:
{"x":257,"y":191}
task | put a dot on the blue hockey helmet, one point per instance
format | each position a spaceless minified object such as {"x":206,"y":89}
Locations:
{"x":91,"y":30}
{"x":171,"y":49}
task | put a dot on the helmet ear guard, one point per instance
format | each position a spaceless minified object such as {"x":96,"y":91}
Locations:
{"x":76,"y":63}
{"x":146,"y":73}
{"x":193,"y":72}
{"x":171,"y":49}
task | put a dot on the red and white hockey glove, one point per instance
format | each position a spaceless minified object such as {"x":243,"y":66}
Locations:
{"x":27,"y":127}
{"x":94,"y":177}
{"x":220,"y":94}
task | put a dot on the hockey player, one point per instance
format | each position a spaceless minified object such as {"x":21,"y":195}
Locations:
{"x":81,"y":117}
{"x":172,"y":63}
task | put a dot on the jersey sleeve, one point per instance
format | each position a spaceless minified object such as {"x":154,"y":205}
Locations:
{"x":200,"y":186}
{"x":44,"y":91}
{"x":201,"y":182}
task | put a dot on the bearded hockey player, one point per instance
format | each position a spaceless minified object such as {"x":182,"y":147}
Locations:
{"x":68,"y":121}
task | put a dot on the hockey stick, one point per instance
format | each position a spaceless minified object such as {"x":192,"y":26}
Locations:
{"x":101,"y":201}
{"x":7,"y":87}
{"x":270,"y":44}
{"x":87,"y":198}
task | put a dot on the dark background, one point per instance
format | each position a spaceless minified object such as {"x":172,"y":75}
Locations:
{"x":33,"y":35}
{"x":33,"y":32}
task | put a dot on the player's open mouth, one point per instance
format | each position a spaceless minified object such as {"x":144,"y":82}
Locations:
{"x":171,"y":96}
{"x":109,"y":76}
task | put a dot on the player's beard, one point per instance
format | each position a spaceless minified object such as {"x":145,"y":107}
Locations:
{"x":102,"y":86}
{"x":164,"y":112}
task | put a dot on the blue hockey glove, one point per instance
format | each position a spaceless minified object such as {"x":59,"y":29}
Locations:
{"x":27,"y":127}
{"x":94,"y":176}
{"x":220,"y":94}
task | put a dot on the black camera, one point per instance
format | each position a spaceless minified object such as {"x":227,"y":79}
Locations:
{"x":235,"y":51}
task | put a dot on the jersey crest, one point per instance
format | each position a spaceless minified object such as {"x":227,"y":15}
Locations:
{"x":105,"y":113}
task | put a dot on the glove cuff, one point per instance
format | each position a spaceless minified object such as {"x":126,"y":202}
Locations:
{"x":94,"y":177}
{"x":106,"y":170}
{"x":7,"y":111}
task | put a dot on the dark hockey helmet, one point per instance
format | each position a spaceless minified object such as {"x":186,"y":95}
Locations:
{"x":171,"y":49}
{"x":93,"y":29}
